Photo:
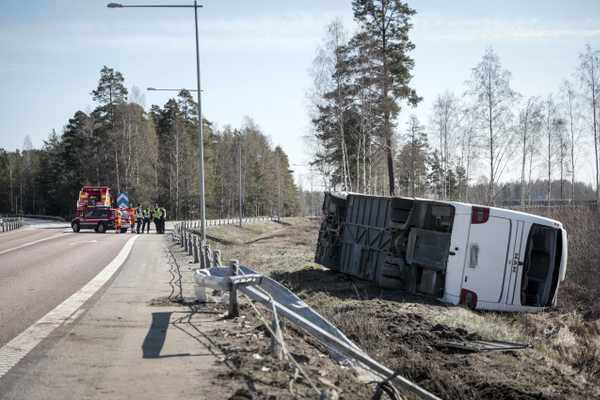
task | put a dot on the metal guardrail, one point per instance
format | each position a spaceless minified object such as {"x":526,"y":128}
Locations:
{"x":185,"y":232}
{"x":249,"y":282}
{"x":268,"y":292}
{"x":10,"y":223}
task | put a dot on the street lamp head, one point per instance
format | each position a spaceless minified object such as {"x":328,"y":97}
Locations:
{"x":114,"y":5}
{"x":150,"y":88}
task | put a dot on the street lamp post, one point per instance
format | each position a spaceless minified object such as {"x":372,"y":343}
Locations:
{"x":153,"y":89}
{"x":240,"y":171}
{"x":195,"y":6}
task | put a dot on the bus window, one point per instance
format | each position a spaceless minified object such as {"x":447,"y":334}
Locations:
{"x":541,"y":266}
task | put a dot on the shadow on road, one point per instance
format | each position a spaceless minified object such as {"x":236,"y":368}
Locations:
{"x":156,"y":336}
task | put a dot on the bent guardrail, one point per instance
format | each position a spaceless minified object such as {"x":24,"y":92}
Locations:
{"x":282,"y":303}
{"x":10,"y":223}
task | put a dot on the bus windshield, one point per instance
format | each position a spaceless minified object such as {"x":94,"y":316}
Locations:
{"x":541,"y":266}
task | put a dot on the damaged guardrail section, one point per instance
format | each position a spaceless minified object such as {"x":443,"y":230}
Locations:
{"x":285,"y":304}
{"x":10,"y":223}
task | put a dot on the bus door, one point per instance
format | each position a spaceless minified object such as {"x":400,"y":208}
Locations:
{"x":515,"y":270}
{"x":487,"y":256}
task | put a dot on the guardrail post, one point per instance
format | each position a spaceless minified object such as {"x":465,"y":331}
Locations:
{"x":276,"y":337}
{"x":195,"y":249}
{"x":189,"y":246}
{"x":185,"y":240}
{"x":234,"y":310}
{"x":217,"y":257}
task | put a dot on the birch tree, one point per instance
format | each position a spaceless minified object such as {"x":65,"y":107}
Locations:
{"x":530,"y":121}
{"x":589,"y":78}
{"x":569,"y":97}
{"x":444,"y":122}
{"x":493,"y":99}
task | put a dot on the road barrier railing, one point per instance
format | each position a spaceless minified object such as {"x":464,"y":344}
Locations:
{"x":10,"y":223}
{"x":282,"y":303}
{"x":187,"y":233}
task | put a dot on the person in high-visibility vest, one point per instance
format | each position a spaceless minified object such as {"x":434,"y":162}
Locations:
{"x":132,"y":218}
{"x":146,"y":214}
{"x":139,"y":216}
{"x":117,"y":221}
{"x":157,"y":215}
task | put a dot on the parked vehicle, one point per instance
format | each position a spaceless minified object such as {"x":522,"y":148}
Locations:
{"x":483,"y":257}
{"x":99,"y":219}
{"x":95,"y":211}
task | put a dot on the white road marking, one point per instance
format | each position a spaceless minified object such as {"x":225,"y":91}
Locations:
{"x":31,"y":243}
{"x":12,"y":352}
{"x":88,"y":241}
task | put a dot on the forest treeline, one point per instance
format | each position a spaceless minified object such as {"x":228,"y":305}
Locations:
{"x":153,"y":156}
{"x":473,"y":142}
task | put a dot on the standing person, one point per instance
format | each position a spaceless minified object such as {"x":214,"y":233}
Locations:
{"x":146,"y":214}
{"x":163,"y":219}
{"x":139,"y":216}
{"x":132,"y":218}
{"x":117,"y":220}
{"x":157,"y":214}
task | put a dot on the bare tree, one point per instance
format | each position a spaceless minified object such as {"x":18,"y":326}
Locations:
{"x":493,"y":97}
{"x":530,"y":121}
{"x":445,"y":121}
{"x":569,"y":98}
{"x":589,"y":77}
{"x":469,"y":146}
{"x":330,"y":99}
{"x":549,"y":128}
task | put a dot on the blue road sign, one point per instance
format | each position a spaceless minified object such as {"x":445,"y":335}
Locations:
{"x":123,"y":200}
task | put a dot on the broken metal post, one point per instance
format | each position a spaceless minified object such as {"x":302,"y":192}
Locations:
{"x":276,"y":337}
{"x":234,"y":309}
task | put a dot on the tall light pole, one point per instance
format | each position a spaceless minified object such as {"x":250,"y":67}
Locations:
{"x":195,"y":6}
{"x":153,"y":89}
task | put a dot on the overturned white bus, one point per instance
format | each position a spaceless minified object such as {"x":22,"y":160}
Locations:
{"x":484,"y":257}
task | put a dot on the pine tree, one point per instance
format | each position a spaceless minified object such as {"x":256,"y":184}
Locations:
{"x":386,"y":24}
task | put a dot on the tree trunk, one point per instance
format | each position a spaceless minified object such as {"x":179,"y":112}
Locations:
{"x":524,"y":155}
{"x":595,"y":126}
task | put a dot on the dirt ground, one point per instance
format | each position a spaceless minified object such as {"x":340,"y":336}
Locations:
{"x":408,"y":333}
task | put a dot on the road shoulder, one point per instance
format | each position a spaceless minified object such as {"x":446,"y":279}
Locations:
{"x":127,"y":342}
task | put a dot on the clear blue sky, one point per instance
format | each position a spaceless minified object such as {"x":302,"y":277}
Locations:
{"x":256,"y":55}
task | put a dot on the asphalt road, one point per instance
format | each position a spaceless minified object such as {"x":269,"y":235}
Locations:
{"x":41,"y":265}
{"x":116,"y":337}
